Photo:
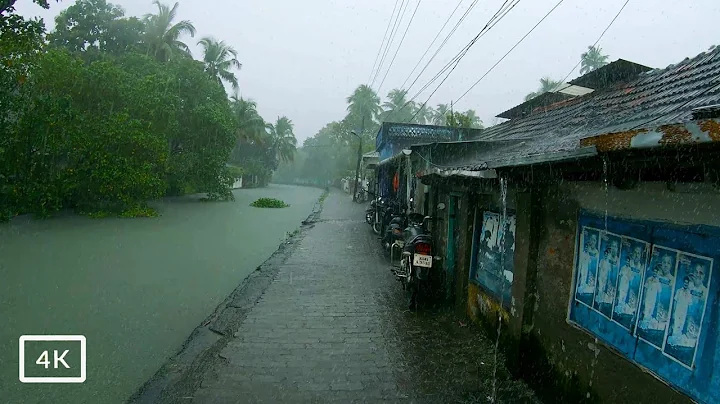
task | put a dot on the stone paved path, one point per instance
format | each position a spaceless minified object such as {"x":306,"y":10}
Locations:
{"x":332,"y":328}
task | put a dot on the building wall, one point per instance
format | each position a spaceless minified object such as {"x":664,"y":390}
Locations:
{"x":590,"y":367}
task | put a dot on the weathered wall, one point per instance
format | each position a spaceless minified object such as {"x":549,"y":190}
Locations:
{"x":592,"y":369}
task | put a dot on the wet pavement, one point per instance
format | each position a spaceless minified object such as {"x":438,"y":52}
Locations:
{"x":332,"y":326}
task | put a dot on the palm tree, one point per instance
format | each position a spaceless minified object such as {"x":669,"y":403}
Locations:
{"x":440,"y":115}
{"x":592,"y":59}
{"x":163,"y":37}
{"x":363,"y":106}
{"x":423,"y":114}
{"x":397,"y":108}
{"x":474,"y":120}
{"x":219,"y":58}
{"x":250,"y":125}
{"x":546,"y":85}
{"x":282,"y":139}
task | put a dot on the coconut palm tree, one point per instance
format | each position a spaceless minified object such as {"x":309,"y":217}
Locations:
{"x":440,"y":116}
{"x":282,"y":140}
{"x":250,"y":125}
{"x":219,"y":58}
{"x":423,"y":114}
{"x":474,"y":120}
{"x":363,"y":107}
{"x":162,"y":37}
{"x":546,"y":85}
{"x":397,"y":108}
{"x":592,"y":59}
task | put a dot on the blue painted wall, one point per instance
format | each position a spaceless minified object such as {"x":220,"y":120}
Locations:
{"x":649,"y":290}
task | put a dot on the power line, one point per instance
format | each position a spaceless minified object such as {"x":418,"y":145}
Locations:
{"x":598,"y":40}
{"x":456,"y":59}
{"x":400,"y":45}
{"x":393,"y":31}
{"x":431,"y":44}
{"x":382,"y":43}
{"x":494,"y":20}
{"x":511,"y":49}
{"x":447,"y":37}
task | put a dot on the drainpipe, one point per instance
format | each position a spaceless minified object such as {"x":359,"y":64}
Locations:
{"x":408,"y":178}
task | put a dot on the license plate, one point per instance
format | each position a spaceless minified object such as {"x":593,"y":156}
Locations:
{"x":422,"y":260}
{"x":400,"y":243}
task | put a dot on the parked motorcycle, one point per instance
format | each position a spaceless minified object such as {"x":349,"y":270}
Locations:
{"x":392,"y":223}
{"x":371,"y":211}
{"x":417,"y":259}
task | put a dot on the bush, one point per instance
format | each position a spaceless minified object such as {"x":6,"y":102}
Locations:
{"x":269,"y":203}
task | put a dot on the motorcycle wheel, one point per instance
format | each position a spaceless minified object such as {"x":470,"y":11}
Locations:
{"x":413,"y":292}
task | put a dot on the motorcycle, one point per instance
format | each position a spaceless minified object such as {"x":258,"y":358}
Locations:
{"x":392,"y":223}
{"x":417,"y":259}
{"x":370,"y":212}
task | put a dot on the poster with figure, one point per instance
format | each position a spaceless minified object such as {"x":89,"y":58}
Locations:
{"x":607,"y":273}
{"x":496,"y":254}
{"x":633,"y":258}
{"x":688,"y":308}
{"x":657,"y":296}
{"x":587,"y":265}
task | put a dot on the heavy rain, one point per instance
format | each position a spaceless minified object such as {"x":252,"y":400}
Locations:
{"x":439,"y":201}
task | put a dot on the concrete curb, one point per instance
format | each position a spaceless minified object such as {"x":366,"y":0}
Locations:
{"x":182,"y":374}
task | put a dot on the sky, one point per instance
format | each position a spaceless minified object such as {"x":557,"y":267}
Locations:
{"x":302,"y":59}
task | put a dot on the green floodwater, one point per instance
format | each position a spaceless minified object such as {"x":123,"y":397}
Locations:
{"x":136,"y":288}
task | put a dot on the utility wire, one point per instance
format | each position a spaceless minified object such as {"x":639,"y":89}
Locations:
{"x":456,"y":59}
{"x":447,"y":37}
{"x":400,"y":45}
{"x":504,"y":9}
{"x":598,"y":40}
{"x":431,"y":44}
{"x":511,"y":49}
{"x":382,"y":43}
{"x":393,"y":31}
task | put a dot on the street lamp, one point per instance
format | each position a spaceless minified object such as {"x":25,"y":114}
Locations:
{"x":357,"y":169}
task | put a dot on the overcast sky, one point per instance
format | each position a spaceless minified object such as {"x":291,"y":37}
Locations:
{"x":302,"y":58}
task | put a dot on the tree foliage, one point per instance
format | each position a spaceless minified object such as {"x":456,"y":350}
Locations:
{"x":592,"y":59}
{"x":109,"y":113}
{"x":546,"y":85}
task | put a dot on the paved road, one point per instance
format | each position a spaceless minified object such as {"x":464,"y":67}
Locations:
{"x":135,"y":288}
{"x":332,"y":327}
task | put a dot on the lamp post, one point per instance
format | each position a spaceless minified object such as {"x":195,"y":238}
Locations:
{"x":357,"y":169}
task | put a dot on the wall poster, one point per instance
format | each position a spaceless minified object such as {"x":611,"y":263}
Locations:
{"x":644,"y":288}
{"x":493,"y":259}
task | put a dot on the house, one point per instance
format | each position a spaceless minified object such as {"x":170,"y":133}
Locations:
{"x":586,"y":228}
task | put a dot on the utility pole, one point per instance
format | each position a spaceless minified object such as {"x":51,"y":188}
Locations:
{"x":359,"y":158}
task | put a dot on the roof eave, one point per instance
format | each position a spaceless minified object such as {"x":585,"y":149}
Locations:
{"x":693,"y":132}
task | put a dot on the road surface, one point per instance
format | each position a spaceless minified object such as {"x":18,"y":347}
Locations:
{"x":136,"y":288}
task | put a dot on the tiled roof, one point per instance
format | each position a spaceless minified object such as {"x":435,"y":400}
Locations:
{"x":655,"y":98}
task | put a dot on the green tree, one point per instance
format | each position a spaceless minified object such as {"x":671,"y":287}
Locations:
{"x":474,"y":121}
{"x":546,"y":85}
{"x":219,"y":59}
{"x":363,"y":107}
{"x":94,"y":26}
{"x":440,"y":115}
{"x":592,"y":59}
{"x":162,"y":36}
{"x":397,"y":108}
{"x":250,"y":125}
{"x":282,"y":140}
{"x":8,"y":6}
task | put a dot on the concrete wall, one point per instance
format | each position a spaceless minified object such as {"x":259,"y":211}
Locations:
{"x":589,"y":367}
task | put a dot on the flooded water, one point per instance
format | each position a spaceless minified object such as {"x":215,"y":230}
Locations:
{"x":135,"y":288}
